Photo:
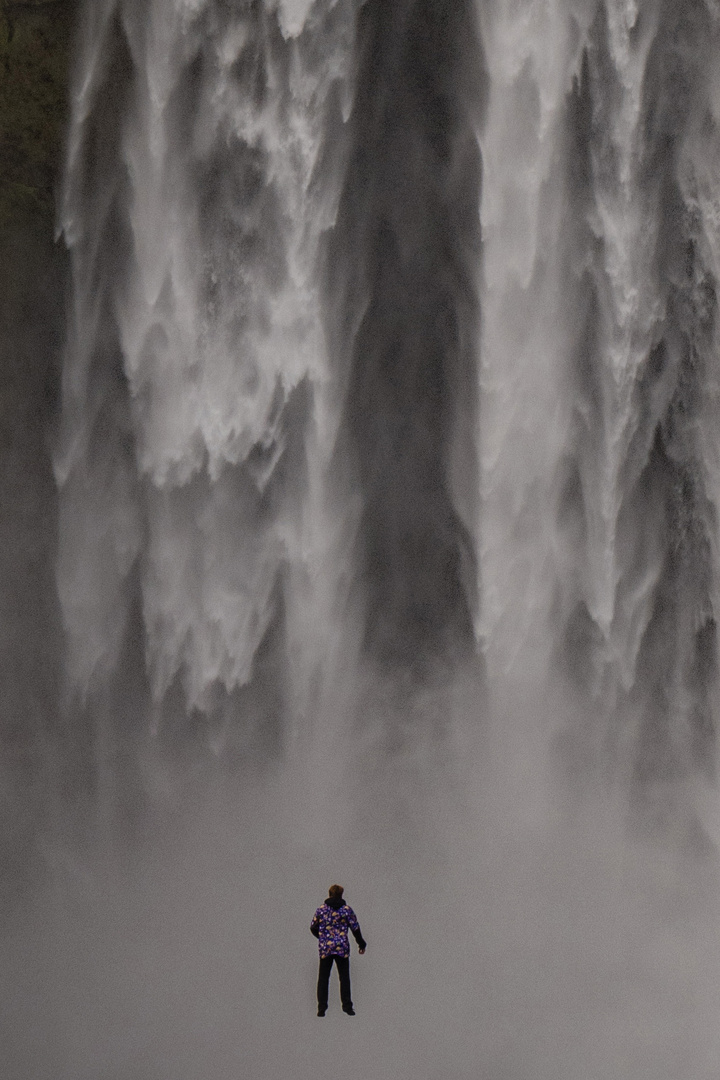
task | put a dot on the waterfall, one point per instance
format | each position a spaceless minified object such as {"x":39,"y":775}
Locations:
{"x":332,"y":399}
{"x":388,"y":534}
{"x":201,"y":406}
{"x":599,"y":339}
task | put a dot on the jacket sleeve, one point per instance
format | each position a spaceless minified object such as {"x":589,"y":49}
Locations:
{"x":355,"y":927}
{"x":315,"y":926}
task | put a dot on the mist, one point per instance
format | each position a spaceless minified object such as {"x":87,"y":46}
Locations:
{"x":511,"y":933}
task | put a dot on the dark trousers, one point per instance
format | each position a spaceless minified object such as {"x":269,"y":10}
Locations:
{"x":343,"y":967}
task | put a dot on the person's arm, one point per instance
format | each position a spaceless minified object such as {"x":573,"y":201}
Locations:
{"x":355,"y":927}
{"x":315,"y":925}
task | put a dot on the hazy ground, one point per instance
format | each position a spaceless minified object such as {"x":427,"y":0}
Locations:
{"x":511,"y":937}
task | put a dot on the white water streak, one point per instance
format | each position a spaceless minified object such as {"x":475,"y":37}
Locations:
{"x":220,"y":322}
{"x":533,"y":52}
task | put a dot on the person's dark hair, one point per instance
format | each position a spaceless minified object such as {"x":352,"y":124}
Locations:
{"x":335,"y":890}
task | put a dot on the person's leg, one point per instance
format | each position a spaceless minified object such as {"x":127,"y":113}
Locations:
{"x":343,"y":966}
{"x":326,"y":963}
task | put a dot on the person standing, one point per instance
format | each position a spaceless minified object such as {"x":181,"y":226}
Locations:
{"x":330,"y":926}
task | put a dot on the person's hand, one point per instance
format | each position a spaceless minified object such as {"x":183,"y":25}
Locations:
{"x":361,"y":951}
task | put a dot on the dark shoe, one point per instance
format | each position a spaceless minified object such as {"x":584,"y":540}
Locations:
{"x":321,"y":1012}
{"x":349,"y":1010}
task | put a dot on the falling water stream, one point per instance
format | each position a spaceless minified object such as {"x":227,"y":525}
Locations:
{"x":389,"y":476}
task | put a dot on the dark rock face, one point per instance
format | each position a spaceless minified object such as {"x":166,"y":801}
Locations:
{"x":35,"y":40}
{"x":34,"y":50}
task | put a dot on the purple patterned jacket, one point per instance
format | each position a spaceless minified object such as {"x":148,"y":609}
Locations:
{"x":330,"y":926}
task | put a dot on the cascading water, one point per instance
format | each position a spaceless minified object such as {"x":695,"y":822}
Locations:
{"x":599,"y":343}
{"x":388,"y":483}
{"x":196,"y":286}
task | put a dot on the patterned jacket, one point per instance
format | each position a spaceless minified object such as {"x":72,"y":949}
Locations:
{"x":330,"y":926}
